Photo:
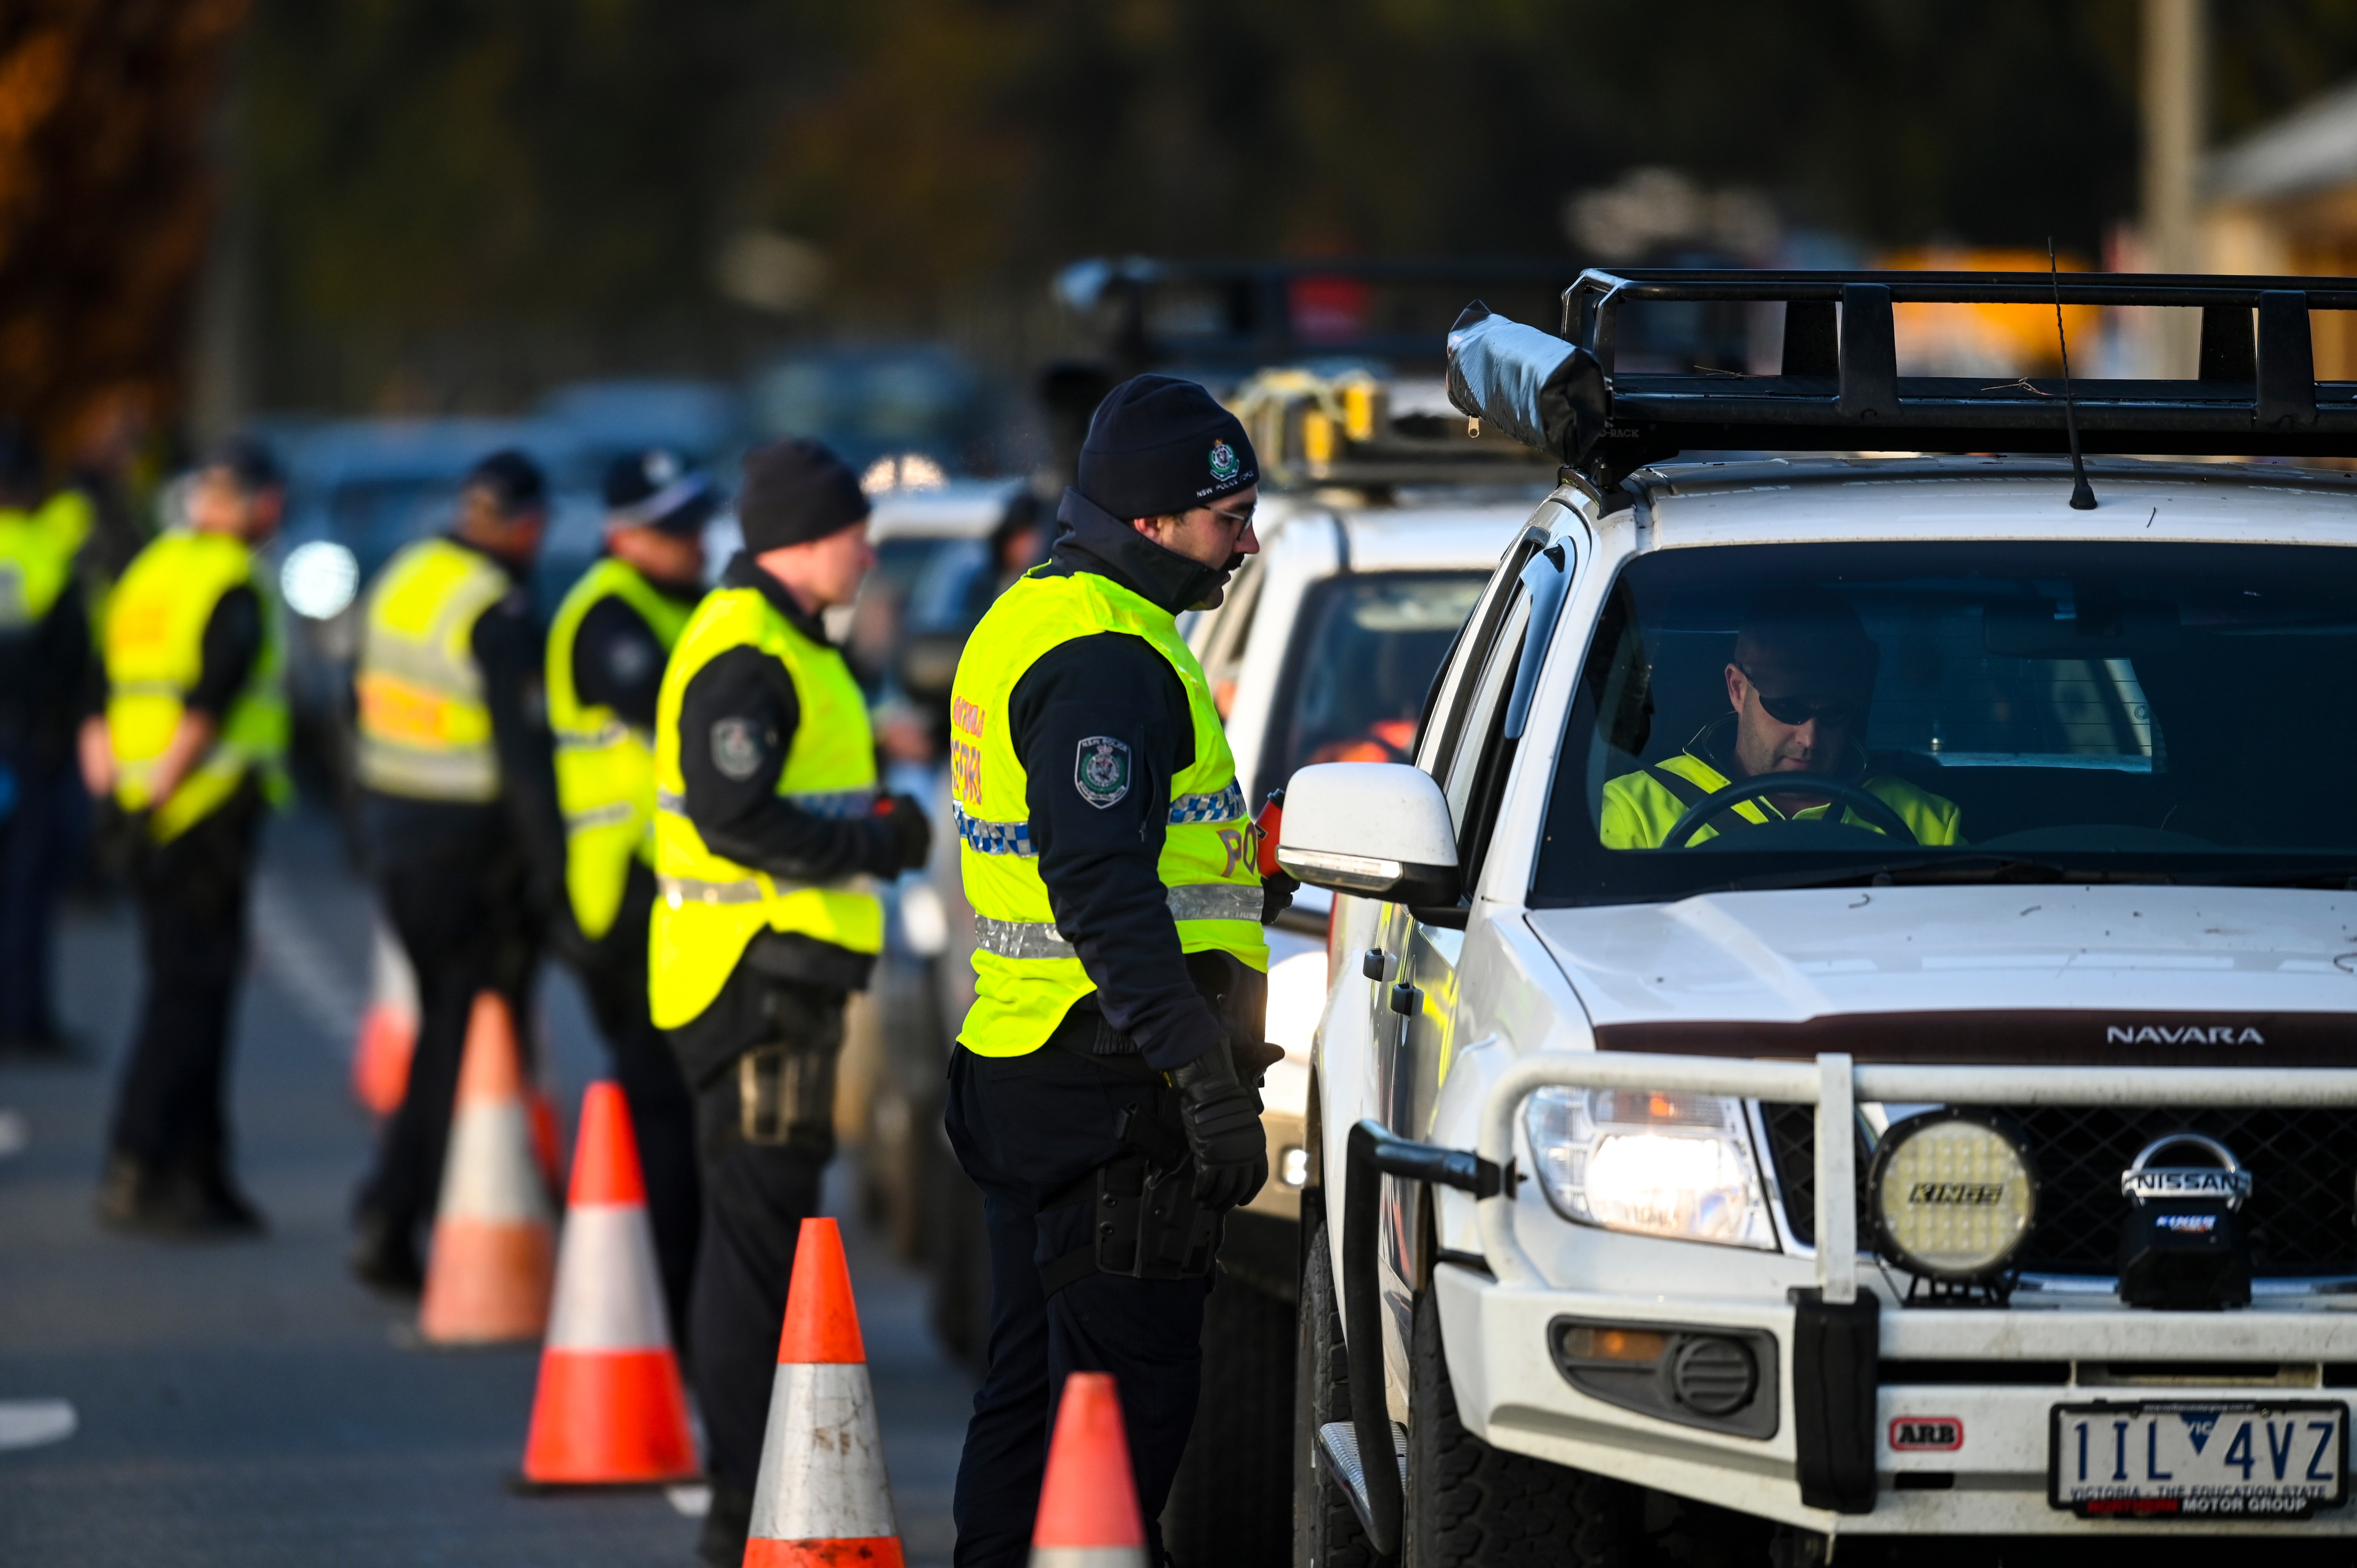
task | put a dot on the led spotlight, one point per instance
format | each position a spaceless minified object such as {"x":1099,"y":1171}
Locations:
{"x":1954,"y":1195}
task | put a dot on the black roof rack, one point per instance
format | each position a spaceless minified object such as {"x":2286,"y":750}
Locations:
{"x":1839,"y":389}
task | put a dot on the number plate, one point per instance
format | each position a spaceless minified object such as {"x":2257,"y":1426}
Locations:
{"x":2172,"y":1460}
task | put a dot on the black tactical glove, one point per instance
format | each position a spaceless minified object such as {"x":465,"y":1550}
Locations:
{"x":120,"y":839}
{"x":1276,"y":891}
{"x":1223,"y":1121}
{"x":912,"y":835}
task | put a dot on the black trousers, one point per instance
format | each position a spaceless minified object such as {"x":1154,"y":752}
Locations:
{"x":662,"y":1113}
{"x":457,"y":903}
{"x":1025,"y":1128}
{"x":756,"y":1196}
{"x":192,"y":894}
{"x":38,"y":837}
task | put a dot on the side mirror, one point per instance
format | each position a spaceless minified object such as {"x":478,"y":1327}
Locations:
{"x":928,"y":664}
{"x":1380,"y":830}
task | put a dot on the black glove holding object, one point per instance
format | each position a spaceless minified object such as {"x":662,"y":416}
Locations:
{"x":1223,"y":1121}
{"x":1276,"y":891}
{"x":912,"y":833}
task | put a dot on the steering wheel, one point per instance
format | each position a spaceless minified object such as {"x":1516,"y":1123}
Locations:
{"x":1863,"y":801}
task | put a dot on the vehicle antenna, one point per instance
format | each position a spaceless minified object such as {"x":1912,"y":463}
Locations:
{"x":2083,"y":494}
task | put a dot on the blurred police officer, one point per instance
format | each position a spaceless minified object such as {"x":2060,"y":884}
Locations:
{"x":606,"y":655}
{"x":44,"y":658}
{"x":1119,"y":966}
{"x":188,"y":753}
{"x":768,"y":828}
{"x":459,"y":813}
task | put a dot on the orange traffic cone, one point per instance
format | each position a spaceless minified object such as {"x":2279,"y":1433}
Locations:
{"x":1087,"y":1504}
{"x":388,"y":1029}
{"x":822,"y":1500}
{"x":493,"y":1239}
{"x":611,"y":1409}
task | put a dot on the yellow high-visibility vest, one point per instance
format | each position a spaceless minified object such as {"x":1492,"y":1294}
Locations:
{"x":154,"y":647}
{"x":1026,"y":977}
{"x":424,"y":725}
{"x":604,"y":769}
{"x":1640,"y":810}
{"x":36,"y":565}
{"x":708,"y":907}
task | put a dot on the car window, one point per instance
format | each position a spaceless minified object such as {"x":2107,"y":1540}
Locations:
{"x":1223,"y":652}
{"x":1364,"y":649}
{"x":1444,"y":718}
{"x":1484,"y":713}
{"x":2111,"y":703}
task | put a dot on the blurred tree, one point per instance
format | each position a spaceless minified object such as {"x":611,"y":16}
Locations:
{"x":105,"y":197}
{"x":428,"y":169}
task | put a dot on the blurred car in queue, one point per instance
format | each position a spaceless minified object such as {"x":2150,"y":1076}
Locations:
{"x":871,"y":404}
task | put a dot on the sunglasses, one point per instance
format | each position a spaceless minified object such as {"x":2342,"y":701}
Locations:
{"x":1801,"y":710}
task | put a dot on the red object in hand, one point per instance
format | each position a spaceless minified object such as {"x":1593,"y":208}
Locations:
{"x":1265,"y":827}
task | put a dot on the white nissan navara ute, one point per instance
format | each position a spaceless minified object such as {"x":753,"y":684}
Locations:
{"x":1847,"y":1024}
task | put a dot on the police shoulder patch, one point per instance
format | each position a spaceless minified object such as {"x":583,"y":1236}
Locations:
{"x":1100,"y":773}
{"x":735,"y":749}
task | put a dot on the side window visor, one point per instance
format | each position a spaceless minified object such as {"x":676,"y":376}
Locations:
{"x":1547,"y":576}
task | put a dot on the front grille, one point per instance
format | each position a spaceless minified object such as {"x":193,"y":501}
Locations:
{"x":2302,"y":1213}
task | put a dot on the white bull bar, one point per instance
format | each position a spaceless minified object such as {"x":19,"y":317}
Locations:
{"x":1835,"y":1084}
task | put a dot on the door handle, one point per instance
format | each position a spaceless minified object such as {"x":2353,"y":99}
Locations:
{"x":1405,"y":999}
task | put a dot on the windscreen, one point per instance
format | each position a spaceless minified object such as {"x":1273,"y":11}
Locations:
{"x":1776,"y":715}
{"x":1364,"y":650}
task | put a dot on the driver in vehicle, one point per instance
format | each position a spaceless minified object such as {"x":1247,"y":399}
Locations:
{"x":1800,"y":685}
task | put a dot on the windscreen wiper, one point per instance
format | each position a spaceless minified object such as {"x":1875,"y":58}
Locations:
{"x":1933,"y":871}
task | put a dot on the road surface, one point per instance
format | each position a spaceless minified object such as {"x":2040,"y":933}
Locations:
{"x":246,"y":1404}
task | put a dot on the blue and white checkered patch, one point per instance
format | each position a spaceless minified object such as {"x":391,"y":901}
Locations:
{"x":1225,"y":806}
{"x":993,"y":838}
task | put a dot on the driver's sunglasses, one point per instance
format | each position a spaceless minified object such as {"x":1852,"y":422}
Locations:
{"x":1801,"y":710}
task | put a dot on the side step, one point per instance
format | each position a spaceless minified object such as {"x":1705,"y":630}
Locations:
{"x":1339,"y":1442}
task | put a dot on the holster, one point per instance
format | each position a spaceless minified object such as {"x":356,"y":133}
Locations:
{"x":785,"y":1089}
{"x":1145,"y":1221}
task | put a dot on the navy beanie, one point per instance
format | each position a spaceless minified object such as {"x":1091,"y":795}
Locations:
{"x":515,"y":482}
{"x":1159,"y":446}
{"x":794,"y":491}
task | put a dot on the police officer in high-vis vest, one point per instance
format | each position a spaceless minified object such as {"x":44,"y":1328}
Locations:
{"x":768,"y":836}
{"x":1102,"y":1092}
{"x":187,"y":753}
{"x":606,"y":654}
{"x":459,"y":813}
{"x":44,"y":659}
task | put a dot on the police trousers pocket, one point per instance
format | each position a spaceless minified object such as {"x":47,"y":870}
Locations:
{"x":786,"y":1093}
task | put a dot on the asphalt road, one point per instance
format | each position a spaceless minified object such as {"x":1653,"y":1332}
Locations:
{"x":246,"y":1404}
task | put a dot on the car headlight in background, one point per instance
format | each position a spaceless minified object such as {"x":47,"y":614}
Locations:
{"x":319,"y":579}
{"x":924,"y":924}
{"x":1954,"y":1195}
{"x":1297,"y":999}
{"x":1659,"y":1164}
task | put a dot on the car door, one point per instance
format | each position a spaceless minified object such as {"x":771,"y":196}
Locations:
{"x":1468,"y":754}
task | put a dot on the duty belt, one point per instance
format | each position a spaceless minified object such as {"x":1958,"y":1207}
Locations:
{"x":1015,"y":838}
{"x":1197,"y":901}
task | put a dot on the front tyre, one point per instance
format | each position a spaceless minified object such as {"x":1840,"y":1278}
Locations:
{"x":1472,"y":1506}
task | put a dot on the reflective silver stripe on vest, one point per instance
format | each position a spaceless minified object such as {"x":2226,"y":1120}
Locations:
{"x":598,"y":817}
{"x":838,"y":804}
{"x":679,"y":890}
{"x":613,"y":732}
{"x":1196,"y":901}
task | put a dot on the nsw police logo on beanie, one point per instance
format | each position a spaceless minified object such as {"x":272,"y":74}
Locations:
{"x":1101,"y":772}
{"x":1223,"y":462}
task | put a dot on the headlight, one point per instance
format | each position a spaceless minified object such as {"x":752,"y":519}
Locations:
{"x":318,"y":579}
{"x":1661,"y":1165}
{"x":1954,"y":1195}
